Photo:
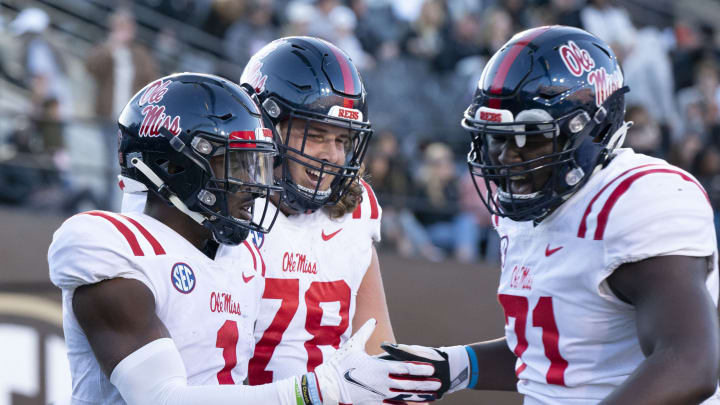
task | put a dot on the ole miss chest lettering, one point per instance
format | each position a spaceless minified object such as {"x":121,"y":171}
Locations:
{"x":298,"y":263}
{"x":521,"y":278}
{"x":224,"y":303}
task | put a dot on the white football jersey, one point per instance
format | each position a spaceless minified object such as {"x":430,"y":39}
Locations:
{"x":575,"y":340}
{"x":208,"y":306}
{"x":315,"y":265}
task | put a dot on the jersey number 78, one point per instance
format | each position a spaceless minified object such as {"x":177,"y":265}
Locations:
{"x":288,"y":291}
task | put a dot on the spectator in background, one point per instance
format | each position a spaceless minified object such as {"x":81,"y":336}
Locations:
{"x":248,"y":35}
{"x":428,"y":34}
{"x":567,"y":12}
{"x":645,"y":60}
{"x":45,"y":73}
{"x":700,"y":104}
{"x":343,"y":24}
{"x":645,"y":136}
{"x":465,"y":41}
{"x":518,"y":12}
{"x":610,"y":23}
{"x":387,"y":173}
{"x":497,"y":28}
{"x":707,"y":170}
{"x":648,"y":70}
{"x":299,"y":16}
{"x":167,"y":47}
{"x":446,"y":225}
{"x":120,"y":66}
{"x":378,"y":30}
{"x":223,"y":13}
{"x":684,"y":152}
{"x":471,"y":203}
{"x":687,"y":53}
{"x":34,"y":167}
{"x":322,"y":23}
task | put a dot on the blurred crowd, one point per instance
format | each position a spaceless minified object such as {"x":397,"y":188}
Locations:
{"x":420,"y":60}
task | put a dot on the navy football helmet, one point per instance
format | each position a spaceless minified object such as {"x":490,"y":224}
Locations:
{"x":550,"y":84}
{"x":195,"y":140}
{"x":303,"y":81}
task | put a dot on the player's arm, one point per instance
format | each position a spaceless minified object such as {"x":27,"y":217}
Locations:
{"x":371,"y":303}
{"x":495,"y":366}
{"x":677,"y":328}
{"x":134,"y":350}
{"x":118,"y":318}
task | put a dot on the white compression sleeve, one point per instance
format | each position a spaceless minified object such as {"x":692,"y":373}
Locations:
{"x":155,"y":375}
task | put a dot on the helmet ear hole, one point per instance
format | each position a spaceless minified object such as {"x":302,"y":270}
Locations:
{"x":602,"y":134}
{"x":169,"y":167}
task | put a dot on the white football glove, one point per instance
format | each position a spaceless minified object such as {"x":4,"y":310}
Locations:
{"x":452,"y":364}
{"x":350,"y":375}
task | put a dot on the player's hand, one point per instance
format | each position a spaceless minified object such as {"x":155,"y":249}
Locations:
{"x":350,"y":375}
{"x":452,"y":364}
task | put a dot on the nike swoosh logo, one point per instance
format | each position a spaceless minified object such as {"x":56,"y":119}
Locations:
{"x":247,"y":279}
{"x":549,"y":252}
{"x":351,"y":380}
{"x":328,"y":237}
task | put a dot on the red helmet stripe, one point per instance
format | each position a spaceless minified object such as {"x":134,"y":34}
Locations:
{"x":506,"y":63}
{"x":348,"y":81}
{"x":248,"y":135}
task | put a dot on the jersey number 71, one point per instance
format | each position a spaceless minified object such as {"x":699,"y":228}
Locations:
{"x":542,"y":317}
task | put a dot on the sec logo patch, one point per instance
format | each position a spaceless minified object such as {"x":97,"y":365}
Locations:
{"x":182,"y":278}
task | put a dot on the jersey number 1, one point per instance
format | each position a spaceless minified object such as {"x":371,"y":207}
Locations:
{"x":543,"y":317}
{"x":288,"y":291}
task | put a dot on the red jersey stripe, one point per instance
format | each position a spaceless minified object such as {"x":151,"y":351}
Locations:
{"x":121,"y":184}
{"x":583,"y":223}
{"x":157,"y":247}
{"x":124,"y":230}
{"x":502,"y":72}
{"x":358,"y":211}
{"x":374,"y":211}
{"x":625,"y":186}
{"x":520,"y":369}
{"x":262,"y":261}
{"x":247,"y":245}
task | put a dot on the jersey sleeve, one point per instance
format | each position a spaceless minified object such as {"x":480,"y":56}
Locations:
{"x":92,"y":247}
{"x":658,"y":212}
{"x":369,"y":212}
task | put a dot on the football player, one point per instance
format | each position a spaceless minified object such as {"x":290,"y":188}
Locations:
{"x":322,"y":274}
{"x":609,"y":270}
{"x":152,"y":314}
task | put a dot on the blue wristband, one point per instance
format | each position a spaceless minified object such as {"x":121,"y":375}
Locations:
{"x":313,"y":389}
{"x":473,"y":367}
